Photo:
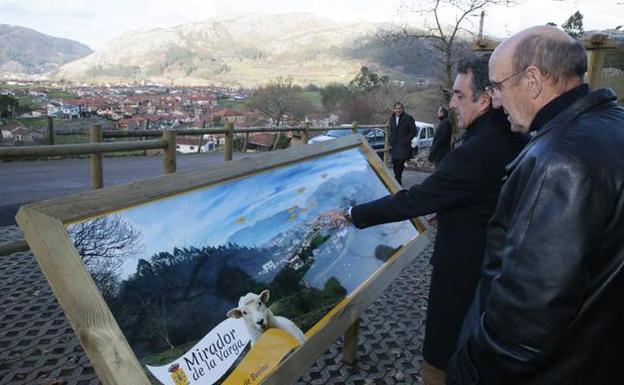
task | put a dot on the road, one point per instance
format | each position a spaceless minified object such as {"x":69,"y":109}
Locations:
{"x":31,"y":181}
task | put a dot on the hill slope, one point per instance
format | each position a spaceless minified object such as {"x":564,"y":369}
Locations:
{"x":244,"y":51}
{"x":23,"y":50}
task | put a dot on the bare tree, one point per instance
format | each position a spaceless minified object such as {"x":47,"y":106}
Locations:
{"x":444,"y":39}
{"x":103,"y":244}
{"x":280,"y":98}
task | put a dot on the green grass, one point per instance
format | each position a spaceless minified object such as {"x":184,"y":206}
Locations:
{"x":27,"y":102}
{"x":71,"y":139}
{"x":36,"y":123}
{"x":233,"y":104}
{"x":167,"y":356}
{"x":315,"y":98}
{"x":14,"y":87}
{"x":60,"y":94}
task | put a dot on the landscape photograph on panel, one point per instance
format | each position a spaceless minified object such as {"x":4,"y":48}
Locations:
{"x":217,"y":285}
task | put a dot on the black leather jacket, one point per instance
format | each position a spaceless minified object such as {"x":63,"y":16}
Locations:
{"x":551,"y":297}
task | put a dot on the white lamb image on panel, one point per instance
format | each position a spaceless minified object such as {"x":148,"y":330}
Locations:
{"x":258,"y":317}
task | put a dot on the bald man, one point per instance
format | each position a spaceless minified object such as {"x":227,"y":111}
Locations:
{"x":550,"y":305}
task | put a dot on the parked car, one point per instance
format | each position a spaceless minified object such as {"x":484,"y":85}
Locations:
{"x":374,"y":136}
{"x":423,"y":137}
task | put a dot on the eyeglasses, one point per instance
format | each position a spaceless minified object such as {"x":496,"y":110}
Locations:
{"x":496,"y":86}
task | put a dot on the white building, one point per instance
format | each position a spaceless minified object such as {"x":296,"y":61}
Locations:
{"x":189,"y":145}
{"x":70,"y":111}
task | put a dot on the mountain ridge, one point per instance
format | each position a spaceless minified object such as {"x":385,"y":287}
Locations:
{"x":24,"y":50}
{"x":243,"y":51}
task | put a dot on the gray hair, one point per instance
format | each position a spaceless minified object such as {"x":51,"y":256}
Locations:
{"x":560,"y":59}
{"x":478,"y":65}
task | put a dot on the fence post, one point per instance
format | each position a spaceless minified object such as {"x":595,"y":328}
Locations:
{"x":229,"y":141}
{"x":147,"y":124}
{"x":278,"y":137}
{"x":201,"y":139}
{"x":305,"y":135}
{"x":354,"y":127}
{"x":50,"y":130}
{"x":169,"y":154}
{"x":595,"y":56}
{"x":245,"y":142}
{"x":349,"y":350}
{"x":387,"y":146}
{"x":97,"y":177}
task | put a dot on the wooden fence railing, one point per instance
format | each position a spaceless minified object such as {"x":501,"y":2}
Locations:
{"x":166,"y":142}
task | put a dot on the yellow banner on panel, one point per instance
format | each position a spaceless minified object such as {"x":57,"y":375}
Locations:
{"x":268,"y":351}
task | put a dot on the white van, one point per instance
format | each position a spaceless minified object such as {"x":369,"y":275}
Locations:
{"x":423,"y":137}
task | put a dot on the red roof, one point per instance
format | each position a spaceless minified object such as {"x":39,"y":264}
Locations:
{"x":190,"y":141}
{"x":228,"y":112}
{"x":262,"y":139}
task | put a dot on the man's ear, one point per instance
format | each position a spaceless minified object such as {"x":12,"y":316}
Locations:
{"x":534,"y":79}
{"x":484,"y":101}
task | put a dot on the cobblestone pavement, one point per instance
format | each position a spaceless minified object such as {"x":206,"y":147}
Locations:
{"x":37,"y":345}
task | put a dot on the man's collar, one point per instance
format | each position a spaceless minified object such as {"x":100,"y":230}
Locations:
{"x":560,"y":120}
{"x":557,"y":105}
{"x":491,"y":118}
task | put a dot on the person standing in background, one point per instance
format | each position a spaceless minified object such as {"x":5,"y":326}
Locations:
{"x":442,"y":139}
{"x":402,"y":130}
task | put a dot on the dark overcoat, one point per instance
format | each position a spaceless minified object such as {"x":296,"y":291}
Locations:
{"x":441,"y":144}
{"x":463,"y":192}
{"x":401,"y":136}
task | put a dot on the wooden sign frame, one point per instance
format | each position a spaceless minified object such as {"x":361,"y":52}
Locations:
{"x":44,"y":226}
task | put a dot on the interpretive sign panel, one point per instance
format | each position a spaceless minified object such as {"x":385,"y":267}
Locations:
{"x":215,"y":280}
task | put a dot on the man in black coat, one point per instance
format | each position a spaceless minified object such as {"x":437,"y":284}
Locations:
{"x":441,"y":144}
{"x":402,"y":130}
{"x":463,"y":192}
{"x":550,"y":305}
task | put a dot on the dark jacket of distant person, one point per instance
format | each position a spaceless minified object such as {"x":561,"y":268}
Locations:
{"x":463,"y":191}
{"x":441,"y":144}
{"x":558,"y":234}
{"x":401,"y":136}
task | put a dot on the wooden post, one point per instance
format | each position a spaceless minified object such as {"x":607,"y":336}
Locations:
{"x":596,"y":47}
{"x":354,"y":126}
{"x":229,"y":141}
{"x":50,"y":130}
{"x":201,"y":139}
{"x":169,"y":155}
{"x":387,"y":146}
{"x":305,"y":135}
{"x":278,"y":137}
{"x":594,"y":67}
{"x":349,"y":351}
{"x":245,"y":142}
{"x":97,"y":177}
{"x":147,"y":124}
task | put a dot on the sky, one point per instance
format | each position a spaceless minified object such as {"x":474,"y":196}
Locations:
{"x":95,"y":22}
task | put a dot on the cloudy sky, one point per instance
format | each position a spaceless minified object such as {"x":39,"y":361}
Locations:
{"x":95,"y":22}
{"x":218,"y":212}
